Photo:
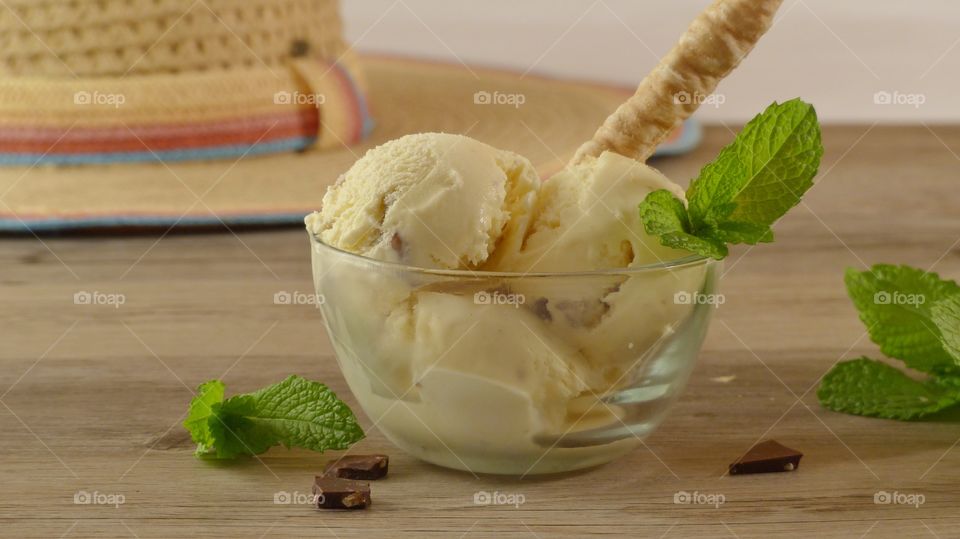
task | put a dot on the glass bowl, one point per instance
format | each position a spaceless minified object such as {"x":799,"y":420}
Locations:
{"x":512,"y":373}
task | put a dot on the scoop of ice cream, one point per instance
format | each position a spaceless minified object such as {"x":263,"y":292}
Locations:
{"x":430,"y":200}
{"x":587,"y":218}
{"x":454,"y":348}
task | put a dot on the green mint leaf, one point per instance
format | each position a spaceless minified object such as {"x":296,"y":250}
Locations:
{"x":295,"y":413}
{"x":946,"y":316}
{"x":867,"y":387}
{"x":750,"y":233}
{"x":752,"y":183}
{"x":895,"y":304}
{"x":761,"y":175}
{"x":709,"y":247}
{"x":664,"y":215}
{"x":202,"y":407}
{"x":236,"y":434}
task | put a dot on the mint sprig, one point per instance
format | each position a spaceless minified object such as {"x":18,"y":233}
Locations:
{"x":295,"y":413}
{"x":915,"y":317}
{"x":753,"y":182}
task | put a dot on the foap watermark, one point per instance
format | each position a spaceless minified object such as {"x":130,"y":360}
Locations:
{"x":683,"y":497}
{"x":684,"y":97}
{"x":299,"y":98}
{"x":883,"y":497}
{"x":484,"y":97}
{"x":283,"y":497}
{"x":898,"y":298}
{"x":483,"y":497}
{"x":94,"y":297}
{"x":298,"y":298}
{"x":895,"y":97}
{"x":499,"y":298}
{"x":83,"y":497}
{"x":84,"y":97}
{"x":698,"y":298}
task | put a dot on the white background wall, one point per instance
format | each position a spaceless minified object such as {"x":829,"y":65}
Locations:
{"x":834,"y":53}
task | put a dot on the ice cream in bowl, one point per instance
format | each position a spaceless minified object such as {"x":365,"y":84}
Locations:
{"x":491,"y":321}
{"x":480,"y":322}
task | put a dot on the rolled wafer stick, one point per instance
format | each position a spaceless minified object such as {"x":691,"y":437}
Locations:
{"x":711,"y":48}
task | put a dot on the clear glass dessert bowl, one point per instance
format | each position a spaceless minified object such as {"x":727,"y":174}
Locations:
{"x":512,"y":373}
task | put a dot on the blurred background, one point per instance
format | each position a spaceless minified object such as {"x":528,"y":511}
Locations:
{"x":858,"y":60}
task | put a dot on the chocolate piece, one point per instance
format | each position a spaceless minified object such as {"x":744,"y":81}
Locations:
{"x":336,"y":493}
{"x":765,"y":457}
{"x":366,"y":467}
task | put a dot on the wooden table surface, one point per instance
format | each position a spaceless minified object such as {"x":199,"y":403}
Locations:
{"x":93,"y":396}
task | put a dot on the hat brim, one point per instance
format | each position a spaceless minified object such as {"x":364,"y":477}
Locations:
{"x":542,"y":119}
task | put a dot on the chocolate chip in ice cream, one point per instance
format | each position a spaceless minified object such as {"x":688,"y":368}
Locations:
{"x":396,"y":242}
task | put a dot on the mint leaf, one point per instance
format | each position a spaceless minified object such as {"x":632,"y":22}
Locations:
{"x":236,"y":433}
{"x":732,"y":232}
{"x":295,"y":413}
{"x":664,"y":215}
{"x":913,"y":315}
{"x":703,"y":246}
{"x":209,"y":395}
{"x":751,"y":184}
{"x":946,"y":316}
{"x":895,"y":304}
{"x":867,"y":387}
{"x":761,"y":175}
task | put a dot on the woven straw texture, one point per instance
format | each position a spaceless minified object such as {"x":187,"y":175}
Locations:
{"x":555,"y":119}
{"x":115,"y":38}
{"x":87,"y":81}
{"x":157,"y":99}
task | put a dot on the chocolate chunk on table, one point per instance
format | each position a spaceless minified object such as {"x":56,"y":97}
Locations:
{"x":366,"y":467}
{"x":765,"y":457}
{"x":336,"y":493}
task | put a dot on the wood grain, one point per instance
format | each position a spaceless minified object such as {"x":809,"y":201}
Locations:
{"x":92,"y":396}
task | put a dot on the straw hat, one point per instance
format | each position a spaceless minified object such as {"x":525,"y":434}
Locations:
{"x":163,"y":112}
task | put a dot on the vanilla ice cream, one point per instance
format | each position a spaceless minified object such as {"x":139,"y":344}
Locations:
{"x":431,"y":200}
{"x":587,"y":218}
{"x":482,"y":360}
